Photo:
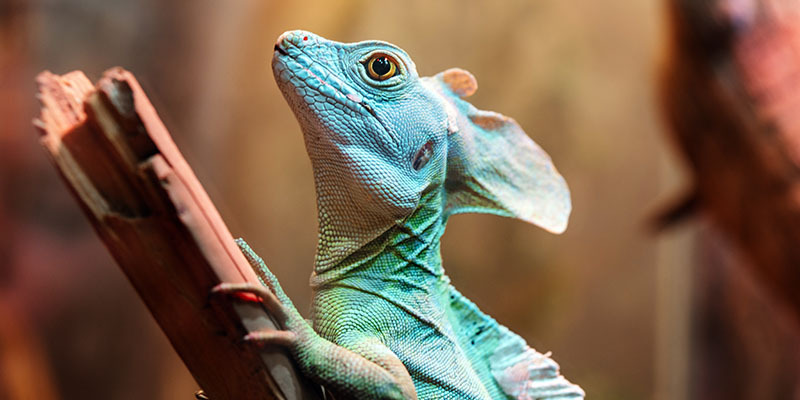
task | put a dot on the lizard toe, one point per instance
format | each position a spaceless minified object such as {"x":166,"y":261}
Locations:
{"x":261,"y":293}
{"x":274,"y":337}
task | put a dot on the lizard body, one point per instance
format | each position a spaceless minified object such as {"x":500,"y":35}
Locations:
{"x":394,"y":155}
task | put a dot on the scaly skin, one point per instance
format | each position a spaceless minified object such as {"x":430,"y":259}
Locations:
{"x":392,"y":160}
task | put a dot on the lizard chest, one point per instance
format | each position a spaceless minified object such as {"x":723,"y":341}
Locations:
{"x":415,"y":327}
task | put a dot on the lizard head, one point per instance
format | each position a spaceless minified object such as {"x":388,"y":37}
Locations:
{"x":380,"y":137}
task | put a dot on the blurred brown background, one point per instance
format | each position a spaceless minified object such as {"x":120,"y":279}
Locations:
{"x":610,"y":301}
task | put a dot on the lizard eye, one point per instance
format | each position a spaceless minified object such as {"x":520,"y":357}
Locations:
{"x":423,"y":155}
{"x":381,"y":67}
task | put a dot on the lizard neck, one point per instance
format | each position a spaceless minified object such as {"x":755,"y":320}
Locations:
{"x":408,"y":253}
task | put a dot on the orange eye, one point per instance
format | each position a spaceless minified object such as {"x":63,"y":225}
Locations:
{"x":381,"y":67}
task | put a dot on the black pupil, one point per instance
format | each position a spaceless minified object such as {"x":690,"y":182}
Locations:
{"x":381,"y":66}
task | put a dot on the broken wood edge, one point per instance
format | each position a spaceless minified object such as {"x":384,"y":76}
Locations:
{"x":72,"y":107}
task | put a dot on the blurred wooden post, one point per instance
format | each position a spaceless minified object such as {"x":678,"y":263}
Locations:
{"x":731,"y":95}
{"x":147,"y":206}
{"x":732,"y":99}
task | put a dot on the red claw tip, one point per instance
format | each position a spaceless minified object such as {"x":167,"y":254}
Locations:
{"x":247,"y":297}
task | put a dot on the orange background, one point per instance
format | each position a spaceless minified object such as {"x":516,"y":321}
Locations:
{"x":609,"y":300}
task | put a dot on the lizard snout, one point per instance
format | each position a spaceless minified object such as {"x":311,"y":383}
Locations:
{"x":296,"y":38}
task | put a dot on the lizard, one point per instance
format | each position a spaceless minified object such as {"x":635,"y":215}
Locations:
{"x":394,"y":155}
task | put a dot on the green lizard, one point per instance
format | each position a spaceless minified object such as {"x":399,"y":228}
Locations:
{"x":394,"y":155}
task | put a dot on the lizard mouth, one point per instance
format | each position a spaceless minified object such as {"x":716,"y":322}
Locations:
{"x":303,"y":75}
{"x":280,"y":49}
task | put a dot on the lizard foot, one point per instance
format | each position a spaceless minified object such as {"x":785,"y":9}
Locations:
{"x":253,"y":292}
{"x":246,"y":291}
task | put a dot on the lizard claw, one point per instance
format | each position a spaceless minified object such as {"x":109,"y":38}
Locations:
{"x":276,"y":337}
{"x":258,"y":293}
{"x":263,"y":295}
{"x":200,"y":395}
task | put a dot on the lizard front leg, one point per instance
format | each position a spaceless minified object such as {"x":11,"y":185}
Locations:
{"x":364,"y":369}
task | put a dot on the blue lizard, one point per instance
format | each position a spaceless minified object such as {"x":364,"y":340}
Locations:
{"x":395,"y":155}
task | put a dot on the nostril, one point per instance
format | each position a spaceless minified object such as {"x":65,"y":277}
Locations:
{"x":290,"y":39}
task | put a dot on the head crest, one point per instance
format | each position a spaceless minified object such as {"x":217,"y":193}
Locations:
{"x":494,"y":167}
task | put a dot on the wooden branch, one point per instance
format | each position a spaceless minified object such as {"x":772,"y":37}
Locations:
{"x":731,"y":95}
{"x":147,"y":206}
